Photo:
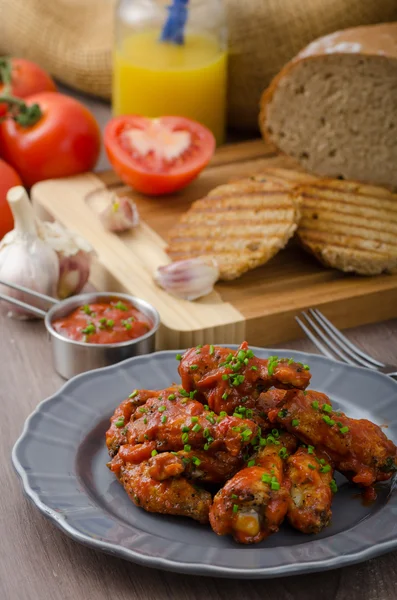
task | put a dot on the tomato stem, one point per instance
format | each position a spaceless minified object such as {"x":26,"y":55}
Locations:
{"x":5,"y":74}
{"x":17,"y":109}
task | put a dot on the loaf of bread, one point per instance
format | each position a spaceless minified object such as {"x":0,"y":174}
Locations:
{"x":334,"y":106}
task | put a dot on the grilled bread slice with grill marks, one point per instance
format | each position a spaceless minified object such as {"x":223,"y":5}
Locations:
{"x":350,"y":226}
{"x":241,"y":224}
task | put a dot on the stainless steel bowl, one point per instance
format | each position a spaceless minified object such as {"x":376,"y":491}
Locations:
{"x":71,"y":357}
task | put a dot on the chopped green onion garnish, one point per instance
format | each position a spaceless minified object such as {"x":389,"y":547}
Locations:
{"x":185,"y":438}
{"x":89,"y":329}
{"x":333,"y":486}
{"x":291,"y":361}
{"x":254,"y":368}
{"x":193,"y":367}
{"x":344,"y":429}
{"x":266,"y":478}
{"x":120,"y":306}
{"x":183,"y":393}
{"x":326,"y":408}
{"x":86,"y":309}
{"x":212,"y":349}
{"x":246,"y":434}
{"x":154,"y":452}
{"x":250,"y":354}
{"x":185,"y":429}
{"x":234,"y":496}
{"x":294,"y":422}
{"x":162,"y":408}
{"x":187,"y":448}
{"x":224,"y":396}
{"x":329,"y":421}
{"x":283,"y":413}
{"x":134,"y":393}
{"x":310,"y":449}
{"x":171,"y":397}
{"x":164,"y":419}
{"x":109,"y":323}
{"x":235,"y":508}
{"x":272,"y":363}
{"x":197,"y":428}
{"x":315,"y":405}
{"x":196,"y":461}
{"x":325,"y":469}
{"x":225,"y":377}
{"x":283,"y":452}
{"x":211,"y":419}
{"x":145,"y":420}
{"x":275,"y":485}
{"x":178,"y":357}
{"x":194,"y":419}
{"x":251,"y":463}
{"x":311,"y":466}
{"x":206,"y":432}
{"x":119,"y":422}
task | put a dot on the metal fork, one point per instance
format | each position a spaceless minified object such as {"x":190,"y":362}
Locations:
{"x":332,"y":343}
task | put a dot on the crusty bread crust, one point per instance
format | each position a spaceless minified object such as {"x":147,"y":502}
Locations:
{"x":371,"y":40}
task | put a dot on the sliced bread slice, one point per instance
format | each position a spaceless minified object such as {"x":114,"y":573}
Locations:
{"x":349,"y":226}
{"x":334,"y":107}
{"x":241,"y":224}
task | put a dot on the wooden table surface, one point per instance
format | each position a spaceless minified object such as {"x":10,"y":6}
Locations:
{"x":39,"y":562}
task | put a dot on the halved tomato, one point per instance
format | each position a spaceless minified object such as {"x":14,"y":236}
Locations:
{"x":157,"y":156}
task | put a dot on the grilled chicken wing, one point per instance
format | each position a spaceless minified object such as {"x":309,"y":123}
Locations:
{"x":226,"y":379}
{"x":176,"y":421}
{"x":254,"y":502}
{"x":197,"y":465}
{"x":310,"y":477}
{"x":156,"y":486}
{"x":358,"y":448}
{"x":116,"y":434}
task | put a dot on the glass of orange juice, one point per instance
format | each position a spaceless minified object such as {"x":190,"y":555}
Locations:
{"x":154,"y":75}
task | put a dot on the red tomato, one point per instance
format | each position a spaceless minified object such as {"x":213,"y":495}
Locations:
{"x":27,"y":78}
{"x":8,"y":178}
{"x":65,"y":140}
{"x":157,"y":156}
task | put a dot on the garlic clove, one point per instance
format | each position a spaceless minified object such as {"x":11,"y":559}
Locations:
{"x":74,"y":272}
{"x":188,"y":279}
{"x":75,"y":256}
{"x":121,"y":214}
{"x":25,"y":259}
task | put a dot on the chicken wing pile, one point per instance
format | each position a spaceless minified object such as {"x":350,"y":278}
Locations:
{"x":242,"y":445}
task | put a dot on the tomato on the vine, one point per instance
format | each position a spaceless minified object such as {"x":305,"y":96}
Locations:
{"x":8,"y":179}
{"x":157,"y":156}
{"x":21,"y":78}
{"x":26,"y":78}
{"x":49,"y":135}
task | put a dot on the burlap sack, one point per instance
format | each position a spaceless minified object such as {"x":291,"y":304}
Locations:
{"x":73,"y":38}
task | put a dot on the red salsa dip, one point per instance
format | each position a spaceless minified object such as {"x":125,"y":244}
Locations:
{"x":105,"y":322}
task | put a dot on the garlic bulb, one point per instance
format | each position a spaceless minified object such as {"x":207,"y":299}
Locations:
{"x":25,"y":259}
{"x":188,"y":279}
{"x":120,"y":214}
{"x":74,"y":253}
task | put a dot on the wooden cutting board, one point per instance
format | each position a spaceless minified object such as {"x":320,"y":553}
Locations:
{"x":259,"y":307}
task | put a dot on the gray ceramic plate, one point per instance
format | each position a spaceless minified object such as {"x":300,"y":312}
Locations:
{"x":61,"y":459}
